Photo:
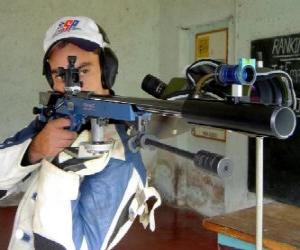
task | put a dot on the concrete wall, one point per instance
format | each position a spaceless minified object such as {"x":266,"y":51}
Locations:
{"x":261,"y":19}
{"x":179,"y":181}
{"x":132,"y":27}
{"x":179,"y":20}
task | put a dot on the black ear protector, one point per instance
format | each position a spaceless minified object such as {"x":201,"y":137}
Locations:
{"x":107,"y":59}
{"x":109,"y":67}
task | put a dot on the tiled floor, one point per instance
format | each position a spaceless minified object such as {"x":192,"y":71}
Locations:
{"x":176,"y":229}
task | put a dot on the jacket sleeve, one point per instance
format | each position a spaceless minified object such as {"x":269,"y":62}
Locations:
{"x":12,"y":173}
{"x":12,"y":151}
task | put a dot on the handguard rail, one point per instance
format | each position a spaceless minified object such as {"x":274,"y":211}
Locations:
{"x":256,"y":119}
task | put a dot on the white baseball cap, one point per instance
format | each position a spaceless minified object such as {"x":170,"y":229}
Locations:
{"x":80,"y":30}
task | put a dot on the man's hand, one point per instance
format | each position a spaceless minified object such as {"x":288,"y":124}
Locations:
{"x":51,"y":140}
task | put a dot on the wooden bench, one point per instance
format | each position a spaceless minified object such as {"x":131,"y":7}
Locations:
{"x":237,"y":230}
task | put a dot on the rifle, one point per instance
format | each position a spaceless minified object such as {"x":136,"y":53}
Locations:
{"x":194,"y":106}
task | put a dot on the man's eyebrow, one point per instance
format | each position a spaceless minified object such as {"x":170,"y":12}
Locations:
{"x":85,"y":64}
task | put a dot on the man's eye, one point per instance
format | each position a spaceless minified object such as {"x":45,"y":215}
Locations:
{"x":57,"y":76}
{"x":83,"y":71}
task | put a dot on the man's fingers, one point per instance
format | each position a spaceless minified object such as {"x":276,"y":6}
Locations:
{"x":63,"y":143}
{"x":60,"y":123}
{"x":51,"y":140}
{"x":67,"y":135}
{"x":58,"y":127}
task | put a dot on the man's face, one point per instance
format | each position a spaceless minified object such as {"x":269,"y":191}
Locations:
{"x":87,"y":62}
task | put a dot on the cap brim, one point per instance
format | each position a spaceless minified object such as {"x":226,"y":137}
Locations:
{"x":82,"y":43}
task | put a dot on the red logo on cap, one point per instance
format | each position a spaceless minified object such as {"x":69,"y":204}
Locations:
{"x":70,"y":24}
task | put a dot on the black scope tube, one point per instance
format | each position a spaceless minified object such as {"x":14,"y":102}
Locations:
{"x":252,"y":118}
{"x":259,"y":119}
